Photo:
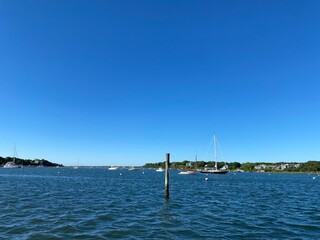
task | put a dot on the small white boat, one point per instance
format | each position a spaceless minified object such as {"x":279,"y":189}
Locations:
{"x":113,"y":168}
{"x":160,"y":169}
{"x":187,"y":172}
{"x":133,"y":169}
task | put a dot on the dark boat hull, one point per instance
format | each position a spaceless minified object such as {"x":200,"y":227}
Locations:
{"x":215,"y":172}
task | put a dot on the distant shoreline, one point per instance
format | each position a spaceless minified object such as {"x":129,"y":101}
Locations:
{"x":311,"y":166}
{"x":28,"y":162}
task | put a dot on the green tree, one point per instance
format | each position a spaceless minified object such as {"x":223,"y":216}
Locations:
{"x":248,"y":166}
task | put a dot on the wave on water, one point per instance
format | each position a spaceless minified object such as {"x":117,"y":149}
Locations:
{"x":49,"y":203}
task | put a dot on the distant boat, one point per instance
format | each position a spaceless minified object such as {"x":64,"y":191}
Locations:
{"x":160,"y":169}
{"x":113,"y":168}
{"x":76,"y":167}
{"x":189,"y":172}
{"x":215,"y":169}
{"x":133,"y":169}
{"x":13,"y":163}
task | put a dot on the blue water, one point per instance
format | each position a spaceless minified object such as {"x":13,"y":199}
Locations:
{"x":64,"y":203}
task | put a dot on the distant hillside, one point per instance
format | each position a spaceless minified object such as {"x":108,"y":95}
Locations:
{"x":28,"y":162}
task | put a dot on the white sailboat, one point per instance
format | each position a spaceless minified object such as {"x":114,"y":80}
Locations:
{"x":13,"y":163}
{"x":77,"y":166}
{"x":215,"y":169}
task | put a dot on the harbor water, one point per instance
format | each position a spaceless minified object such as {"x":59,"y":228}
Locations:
{"x":94,"y":203}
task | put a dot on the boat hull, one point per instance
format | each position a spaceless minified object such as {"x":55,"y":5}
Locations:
{"x":113,"y":168}
{"x":187,"y":173}
{"x":11,"y":165}
{"x":215,"y":171}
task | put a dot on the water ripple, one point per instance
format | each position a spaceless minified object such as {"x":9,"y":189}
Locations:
{"x":98,"y":204}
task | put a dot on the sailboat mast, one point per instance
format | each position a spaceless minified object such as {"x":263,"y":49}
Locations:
{"x":215,"y":150}
{"x":14,"y":153}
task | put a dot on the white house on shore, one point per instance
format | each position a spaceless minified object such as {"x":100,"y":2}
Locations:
{"x":279,"y":167}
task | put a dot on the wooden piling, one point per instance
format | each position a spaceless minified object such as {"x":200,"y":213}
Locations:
{"x":166,"y":178}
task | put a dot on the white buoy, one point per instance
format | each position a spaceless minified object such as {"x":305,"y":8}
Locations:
{"x":314,"y":177}
{"x":206,"y":179}
{"x":120,"y":174}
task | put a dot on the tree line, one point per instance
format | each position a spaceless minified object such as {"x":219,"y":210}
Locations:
{"x":28,"y":162}
{"x":310,"y":166}
{"x":193,"y":165}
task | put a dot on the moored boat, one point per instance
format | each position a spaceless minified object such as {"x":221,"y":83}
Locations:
{"x":133,"y":169}
{"x":113,"y":168}
{"x":11,"y":165}
{"x":189,"y":172}
{"x":215,"y":169}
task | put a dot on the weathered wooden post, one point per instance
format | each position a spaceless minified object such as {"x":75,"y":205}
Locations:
{"x":166,"y":178}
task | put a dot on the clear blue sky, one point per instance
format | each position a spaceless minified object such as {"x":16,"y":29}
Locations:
{"x":123,"y":82}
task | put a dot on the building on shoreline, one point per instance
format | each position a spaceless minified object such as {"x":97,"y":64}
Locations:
{"x":278,"y":167}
